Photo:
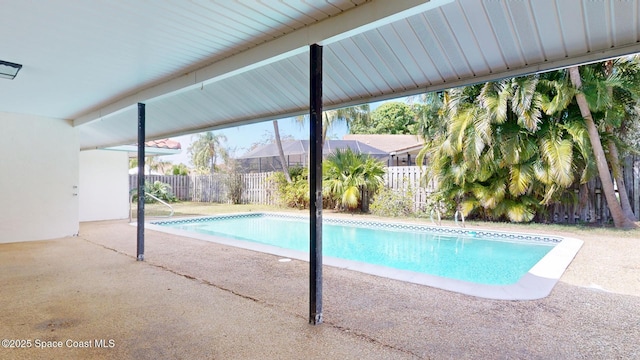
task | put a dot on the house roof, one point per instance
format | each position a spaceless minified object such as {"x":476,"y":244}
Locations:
{"x":152,"y":147}
{"x":163,"y":144}
{"x":391,"y":143}
{"x":203,"y":65}
{"x":301,"y":147}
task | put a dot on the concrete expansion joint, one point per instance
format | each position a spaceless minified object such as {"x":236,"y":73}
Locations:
{"x":372,"y":340}
{"x":187,"y":276}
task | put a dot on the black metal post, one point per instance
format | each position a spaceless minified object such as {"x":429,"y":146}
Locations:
{"x":141,"y":137}
{"x":315,"y":187}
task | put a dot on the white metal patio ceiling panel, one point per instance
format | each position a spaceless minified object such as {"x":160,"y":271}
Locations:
{"x":547,"y":23}
{"x":462,"y":42}
{"x":469,"y":45}
{"x":598,"y":16}
{"x":400,"y":37}
{"x":342,"y":56}
{"x":448,"y":43}
{"x":572,"y":28}
{"x":80,"y":56}
{"x":526,"y":32}
{"x":428,"y":41}
{"x":337,"y":73}
{"x":625,"y":15}
{"x":503,"y":28}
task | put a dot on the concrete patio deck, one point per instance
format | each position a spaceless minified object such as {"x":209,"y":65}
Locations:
{"x":192,"y":299}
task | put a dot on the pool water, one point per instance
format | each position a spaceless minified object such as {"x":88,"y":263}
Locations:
{"x":476,"y":257}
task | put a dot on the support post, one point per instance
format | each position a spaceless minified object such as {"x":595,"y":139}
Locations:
{"x":315,"y":186}
{"x":141,"y":178}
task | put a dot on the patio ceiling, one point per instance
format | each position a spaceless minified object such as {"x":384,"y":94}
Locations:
{"x":213,"y":64}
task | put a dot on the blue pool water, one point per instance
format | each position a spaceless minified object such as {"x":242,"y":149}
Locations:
{"x":490,"y":258}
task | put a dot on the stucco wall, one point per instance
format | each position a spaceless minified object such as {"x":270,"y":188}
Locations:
{"x":104,"y":185}
{"x":38,"y":172}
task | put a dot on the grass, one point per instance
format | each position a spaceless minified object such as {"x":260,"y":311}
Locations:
{"x":186,"y":208}
{"x":203,"y":209}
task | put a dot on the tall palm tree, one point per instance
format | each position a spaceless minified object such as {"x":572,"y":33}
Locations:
{"x":345,"y":115}
{"x":206,"y":150}
{"x":430,"y":111}
{"x":625,"y":69}
{"x":620,"y":220}
{"x":283,"y":160}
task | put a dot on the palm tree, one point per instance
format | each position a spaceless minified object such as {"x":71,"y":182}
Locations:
{"x":502,"y":155}
{"x":620,"y":220}
{"x":628,"y":71}
{"x":515,"y":145}
{"x":206,"y":150}
{"x":152,"y":163}
{"x":430,"y":111}
{"x":347,"y":115}
{"x":283,"y":161}
{"x":346,"y":173}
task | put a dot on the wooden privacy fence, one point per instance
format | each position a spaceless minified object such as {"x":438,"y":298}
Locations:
{"x":214,"y":188}
{"x":585,"y":204}
{"x":256,"y":190}
{"x":409,"y":178}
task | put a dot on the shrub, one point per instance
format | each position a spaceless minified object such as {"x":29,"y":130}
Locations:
{"x":347,"y":173}
{"x":235,"y":186}
{"x":158,"y":189}
{"x":389,"y":202}
{"x":181,"y":169}
{"x":296,"y":193}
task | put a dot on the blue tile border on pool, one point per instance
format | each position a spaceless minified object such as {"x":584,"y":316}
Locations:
{"x":379,"y":224}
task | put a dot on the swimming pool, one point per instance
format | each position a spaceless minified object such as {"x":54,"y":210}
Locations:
{"x":482,"y":263}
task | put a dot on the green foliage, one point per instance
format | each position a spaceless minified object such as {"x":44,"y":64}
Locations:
{"x":392,"y":203}
{"x":235,"y":186}
{"x":181,"y":169}
{"x":206,"y":150}
{"x":503,"y":156}
{"x":161,"y":190}
{"x":512,"y":147}
{"x":430,"y":114}
{"x":346,"y":173}
{"x":296,"y":193}
{"x":359,"y":114}
{"x":388,"y":118}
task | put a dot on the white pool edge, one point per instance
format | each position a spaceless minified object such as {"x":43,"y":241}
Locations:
{"x":537,"y":283}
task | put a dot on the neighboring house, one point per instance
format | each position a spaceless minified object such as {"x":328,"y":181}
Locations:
{"x":402,"y":149}
{"x":266,"y":158}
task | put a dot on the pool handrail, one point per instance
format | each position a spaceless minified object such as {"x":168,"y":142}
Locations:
{"x":153,"y":197}
{"x":455,"y":218}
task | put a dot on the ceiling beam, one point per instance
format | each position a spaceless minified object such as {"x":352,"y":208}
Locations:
{"x":349,"y":23}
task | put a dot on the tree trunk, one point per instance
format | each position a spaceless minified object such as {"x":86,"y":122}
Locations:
{"x":619,"y":177}
{"x":283,"y":161}
{"x":619,"y":218}
{"x":614,"y":158}
{"x":326,"y":124}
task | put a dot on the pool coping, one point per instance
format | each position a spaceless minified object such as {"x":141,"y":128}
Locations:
{"x":537,"y":283}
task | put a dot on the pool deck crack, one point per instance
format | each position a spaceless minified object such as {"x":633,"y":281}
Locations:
{"x":373,"y":340}
{"x":185,"y":275}
{"x":340,"y":328}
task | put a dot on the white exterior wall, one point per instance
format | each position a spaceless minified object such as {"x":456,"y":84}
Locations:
{"x":38,"y":172}
{"x":104,"y":185}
